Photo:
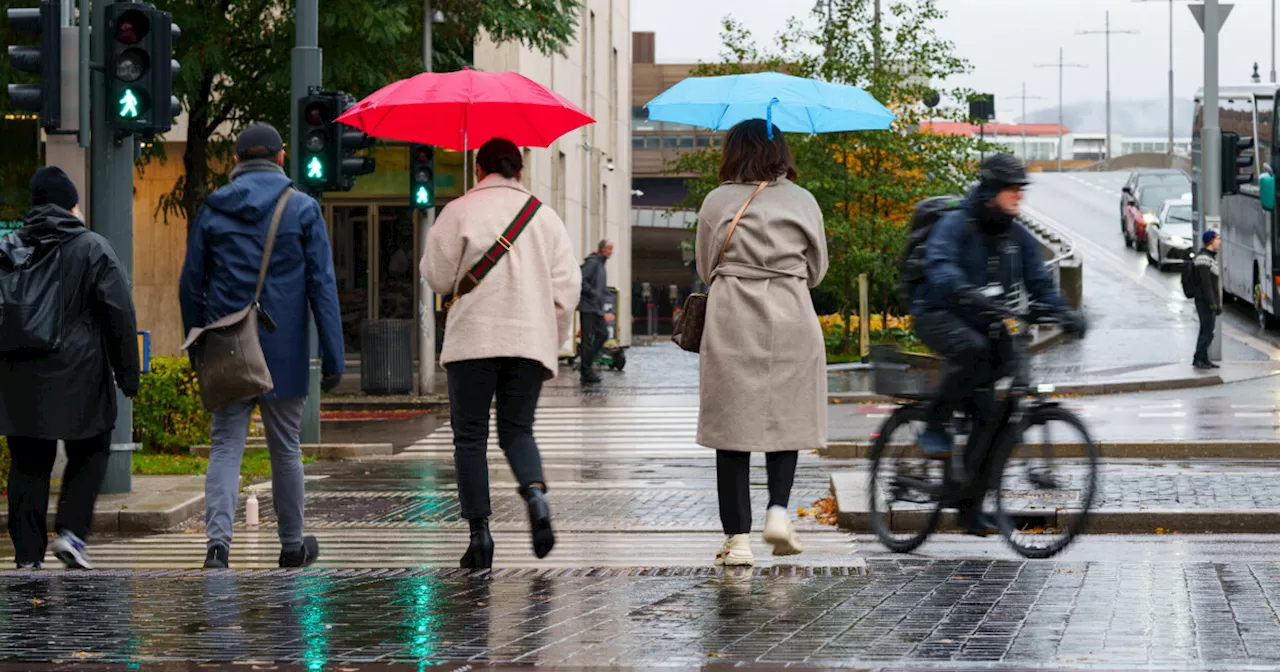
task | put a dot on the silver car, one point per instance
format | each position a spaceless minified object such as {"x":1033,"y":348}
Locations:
{"x":1170,"y":237}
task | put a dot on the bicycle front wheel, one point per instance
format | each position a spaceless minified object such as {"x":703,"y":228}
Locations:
{"x":903,"y":515}
{"x":1047,"y":483}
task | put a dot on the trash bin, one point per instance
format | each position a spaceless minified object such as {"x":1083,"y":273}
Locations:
{"x":386,"y":356}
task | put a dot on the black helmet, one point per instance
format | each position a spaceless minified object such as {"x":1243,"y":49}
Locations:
{"x":1003,"y":170}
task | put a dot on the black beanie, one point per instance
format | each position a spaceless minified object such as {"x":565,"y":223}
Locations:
{"x":51,"y":185}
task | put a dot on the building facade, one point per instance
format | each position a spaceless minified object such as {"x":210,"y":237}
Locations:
{"x":375,"y":233}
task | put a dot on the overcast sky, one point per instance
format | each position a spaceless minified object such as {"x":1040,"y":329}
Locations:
{"x":1005,"y":39}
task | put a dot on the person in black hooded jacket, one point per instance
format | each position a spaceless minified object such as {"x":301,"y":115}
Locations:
{"x":68,"y":394}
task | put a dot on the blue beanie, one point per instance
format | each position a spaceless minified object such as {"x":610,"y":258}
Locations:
{"x":1208,"y":236}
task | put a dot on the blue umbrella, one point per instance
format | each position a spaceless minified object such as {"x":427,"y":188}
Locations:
{"x":793,"y":104}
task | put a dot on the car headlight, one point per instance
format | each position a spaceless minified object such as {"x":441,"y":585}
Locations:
{"x":1178,"y":241}
{"x":1150,"y":218}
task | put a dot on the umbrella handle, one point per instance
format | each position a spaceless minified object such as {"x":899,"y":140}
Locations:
{"x":768,"y":117}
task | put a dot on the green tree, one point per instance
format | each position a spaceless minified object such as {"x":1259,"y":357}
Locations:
{"x":865,"y":182}
{"x":235,"y":57}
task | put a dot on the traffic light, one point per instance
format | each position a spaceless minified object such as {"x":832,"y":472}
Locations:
{"x":1238,"y":162}
{"x":351,"y":139}
{"x":140,"y":68}
{"x":320,"y":149}
{"x":422,"y":176}
{"x":45,"y":62}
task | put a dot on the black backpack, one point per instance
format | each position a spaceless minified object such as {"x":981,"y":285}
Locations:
{"x":923,"y":217}
{"x":30,"y":295}
{"x":1189,"y":278}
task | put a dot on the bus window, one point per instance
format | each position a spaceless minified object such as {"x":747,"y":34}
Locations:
{"x":1236,"y":115}
{"x":1266,"y":116}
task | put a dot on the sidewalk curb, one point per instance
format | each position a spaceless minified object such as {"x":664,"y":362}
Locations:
{"x":322,"y":451}
{"x":1166,"y":450}
{"x":1065,"y":389}
{"x":850,"y":492}
{"x":138,"y":512}
{"x":388,"y":404}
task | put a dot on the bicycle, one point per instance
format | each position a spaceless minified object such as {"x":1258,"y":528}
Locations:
{"x":997,"y":424}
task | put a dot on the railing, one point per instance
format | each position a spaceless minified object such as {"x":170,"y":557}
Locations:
{"x":1056,"y":240}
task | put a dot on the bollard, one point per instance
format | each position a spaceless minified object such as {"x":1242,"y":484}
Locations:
{"x":251,"y":510}
{"x":1071,"y":279}
{"x":864,"y":318}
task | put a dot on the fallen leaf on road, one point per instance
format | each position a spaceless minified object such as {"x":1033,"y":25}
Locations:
{"x":36,"y":603}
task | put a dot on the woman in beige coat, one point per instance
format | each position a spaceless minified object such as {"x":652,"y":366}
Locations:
{"x":763,"y":361}
{"x":503,"y":337}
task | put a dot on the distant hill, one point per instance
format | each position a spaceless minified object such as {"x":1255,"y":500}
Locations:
{"x":1132,"y":118}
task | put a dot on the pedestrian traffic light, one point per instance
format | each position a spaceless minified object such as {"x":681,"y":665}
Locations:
{"x":45,"y":62}
{"x":1238,"y":156}
{"x":140,"y":68}
{"x":319,"y":146}
{"x":422,"y":176}
{"x":350,"y":140}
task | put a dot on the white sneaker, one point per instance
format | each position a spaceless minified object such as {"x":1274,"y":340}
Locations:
{"x":735,"y":552}
{"x":779,"y":533}
{"x":68,"y":548}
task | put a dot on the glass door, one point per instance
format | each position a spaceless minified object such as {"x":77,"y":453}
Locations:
{"x":397,"y":264}
{"x":351,"y":239}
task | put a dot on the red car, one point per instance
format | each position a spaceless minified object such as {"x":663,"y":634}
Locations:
{"x":1145,"y":209}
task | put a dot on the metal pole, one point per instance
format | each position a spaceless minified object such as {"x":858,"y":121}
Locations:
{"x":1273,"y":41}
{"x":1108,"y":40}
{"x":426,"y":298}
{"x":111,"y":201}
{"x":1024,"y":122}
{"x":306,"y":66}
{"x":1171,"y":82}
{"x":1061,"y":148}
{"x":1211,"y":143}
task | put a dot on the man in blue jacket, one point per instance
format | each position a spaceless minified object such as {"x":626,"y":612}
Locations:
{"x":978,"y":262}
{"x":224,"y":249}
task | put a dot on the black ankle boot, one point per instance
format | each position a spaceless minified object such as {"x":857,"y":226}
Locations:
{"x":539,"y":519}
{"x":479,"y":553}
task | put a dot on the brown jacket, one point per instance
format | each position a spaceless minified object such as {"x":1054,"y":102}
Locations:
{"x":763,"y":360}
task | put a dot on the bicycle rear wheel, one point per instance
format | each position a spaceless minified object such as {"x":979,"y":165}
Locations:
{"x":902,"y":515}
{"x":1047,"y":482}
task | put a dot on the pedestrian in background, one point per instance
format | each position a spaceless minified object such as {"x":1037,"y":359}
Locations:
{"x":763,"y":361}
{"x":1207,"y":272}
{"x":65,"y":390}
{"x":225,"y":247}
{"x":510,"y":265}
{"x":595,"y":292}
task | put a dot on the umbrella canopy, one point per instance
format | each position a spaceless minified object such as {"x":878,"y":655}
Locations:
{"x":465,"y":109}
{"x":793,"y":104}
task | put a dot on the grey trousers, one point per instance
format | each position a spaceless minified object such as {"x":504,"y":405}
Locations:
{"x":282,"y":419}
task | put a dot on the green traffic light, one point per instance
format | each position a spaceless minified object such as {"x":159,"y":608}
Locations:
{"x":129,"y":105}
{"x":423,"y":197}
{"x":315,"y":169}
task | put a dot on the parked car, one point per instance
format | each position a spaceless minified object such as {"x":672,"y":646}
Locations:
{"x":1143,"y":177}
{"x":1146,"y":210}
{"x":1171,"y":236}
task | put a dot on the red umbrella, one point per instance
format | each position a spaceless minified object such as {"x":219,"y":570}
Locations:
{"x":465,"y":109}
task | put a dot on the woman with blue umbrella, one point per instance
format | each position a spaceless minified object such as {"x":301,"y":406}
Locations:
{"x":761,"y":246}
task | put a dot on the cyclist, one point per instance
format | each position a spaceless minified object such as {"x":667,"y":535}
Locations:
{"x":978,"y":262}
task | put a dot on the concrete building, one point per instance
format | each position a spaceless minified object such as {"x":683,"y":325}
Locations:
{"x":584,"y":176}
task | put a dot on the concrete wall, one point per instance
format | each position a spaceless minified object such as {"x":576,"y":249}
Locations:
{"x":595,"y":74}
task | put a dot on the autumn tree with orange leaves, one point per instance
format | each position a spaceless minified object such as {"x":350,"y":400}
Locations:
{"x":866,"y":182}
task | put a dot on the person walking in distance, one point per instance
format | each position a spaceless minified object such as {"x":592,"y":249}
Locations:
{"x":1207,"y":273}
{"x":763,"y":371}
{"x":595,"y":292}
{"x":59,"y":369}
{"x":509,"y":264}
{"x":225,"y":249}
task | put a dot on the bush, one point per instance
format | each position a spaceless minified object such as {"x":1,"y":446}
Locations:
{"x":4,"y":465}
{"x":167,"y":416}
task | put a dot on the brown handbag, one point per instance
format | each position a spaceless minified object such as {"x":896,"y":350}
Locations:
{"x":230,"y":366}
{"x":688,"y":331}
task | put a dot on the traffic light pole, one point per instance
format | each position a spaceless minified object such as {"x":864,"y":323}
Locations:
{"x":426,"y":298}
{"x":1211,"y":147}
{"x":111,"y":207}
{"x":306,"y":62}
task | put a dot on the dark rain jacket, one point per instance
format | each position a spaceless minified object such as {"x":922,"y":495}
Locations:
{"x":1208,"y":280}
{"x":595,"y":286}
{"x":70,"y":394}
{"x":224,"y":249}
{"x":956,"y":256}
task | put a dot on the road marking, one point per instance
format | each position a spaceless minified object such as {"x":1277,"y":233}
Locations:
{"x":1254,"y":415}
{"x":1175,"y":414}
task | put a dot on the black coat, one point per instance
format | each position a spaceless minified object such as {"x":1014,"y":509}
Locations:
{"x":70,"y":394}
{"x":595,"y":286}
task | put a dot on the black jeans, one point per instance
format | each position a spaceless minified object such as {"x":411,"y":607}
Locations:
{"x":733,"y":480}
{"x":473,"y":384}
{"x":970,"y":359}
{"x":29,"y":473}
{"x":1205,"y":338}
{"x":594,"y":334}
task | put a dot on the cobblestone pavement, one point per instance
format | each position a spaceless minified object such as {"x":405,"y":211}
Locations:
{"x":904,"y":614}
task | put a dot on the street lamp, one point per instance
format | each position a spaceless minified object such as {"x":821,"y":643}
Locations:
{"x":1273,"y":74}
{"x":1061,"y":65}
{"x":1024,"y":98}
{"x":1108,"y":32}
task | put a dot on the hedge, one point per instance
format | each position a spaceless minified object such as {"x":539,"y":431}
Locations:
{"x":167,"y":416}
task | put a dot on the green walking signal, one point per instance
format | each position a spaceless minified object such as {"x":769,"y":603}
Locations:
{"x":315,"y":169}
{"x":129,"y":105}
{"x":422,"y":198}
{"x":422,"y":176}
